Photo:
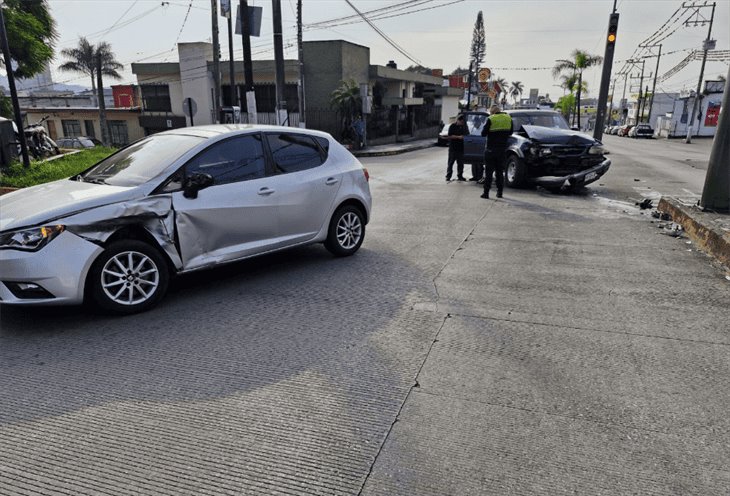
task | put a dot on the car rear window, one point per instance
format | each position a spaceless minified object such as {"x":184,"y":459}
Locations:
{"x":294,"y":152}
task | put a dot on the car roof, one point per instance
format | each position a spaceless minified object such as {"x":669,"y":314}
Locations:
{"x":213,"y":130}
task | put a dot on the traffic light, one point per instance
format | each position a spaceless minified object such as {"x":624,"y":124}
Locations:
{"x":612,"y":28}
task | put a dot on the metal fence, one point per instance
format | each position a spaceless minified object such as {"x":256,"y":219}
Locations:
{"x":381,"y":122}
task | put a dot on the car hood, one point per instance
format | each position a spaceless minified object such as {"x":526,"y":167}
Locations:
{"x":45,"y":202}
{"x":556,"y":136}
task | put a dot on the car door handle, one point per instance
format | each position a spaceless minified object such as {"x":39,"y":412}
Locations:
{"x":265,"y":191}
{"x":331,"y":180}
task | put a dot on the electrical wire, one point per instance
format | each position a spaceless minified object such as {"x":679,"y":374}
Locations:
{"x":384,"y":36}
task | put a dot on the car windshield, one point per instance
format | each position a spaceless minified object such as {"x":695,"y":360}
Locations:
{"x":140,"y":161}
{"x":543,"y":119}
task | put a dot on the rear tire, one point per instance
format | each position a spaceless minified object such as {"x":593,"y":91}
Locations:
{"x":346,"y":231}
{"x":128,"y":277}
{"x":515,"y":172}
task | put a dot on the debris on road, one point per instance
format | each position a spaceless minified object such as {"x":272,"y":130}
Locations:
{"x":644,"y":204}
{"x":672,"y":229}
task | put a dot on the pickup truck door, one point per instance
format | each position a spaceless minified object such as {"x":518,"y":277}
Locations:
{"x":474,"y":148}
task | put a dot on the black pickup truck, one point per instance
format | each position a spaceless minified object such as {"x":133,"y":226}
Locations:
{"x":542,"y":150}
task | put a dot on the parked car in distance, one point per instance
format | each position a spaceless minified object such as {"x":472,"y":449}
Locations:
{"x":175,"y":202}
{"x":641,"y":131}
{"x":542,"y":150}
{"x":624,"y":130}
{"x":77,"y":142}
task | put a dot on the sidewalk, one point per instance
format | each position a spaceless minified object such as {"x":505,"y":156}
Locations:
{"x":395,"y":148}
{"x":710,"y":232}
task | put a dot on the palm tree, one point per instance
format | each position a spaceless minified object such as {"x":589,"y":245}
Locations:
{"x":83,"y":59}
{"x":87,"y":58}
{"x":503,"y":87}
{"x":516,"y":90}
{"x":346,"y":99}
{"x":580,"y":61}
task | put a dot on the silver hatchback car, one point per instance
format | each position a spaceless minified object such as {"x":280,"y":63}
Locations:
{"x":176,"y":202}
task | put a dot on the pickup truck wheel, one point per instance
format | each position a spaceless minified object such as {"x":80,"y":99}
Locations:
{"x":515,"y":172}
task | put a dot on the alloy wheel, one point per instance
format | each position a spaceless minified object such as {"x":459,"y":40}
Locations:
{"x":130,"y":278}
{"x":349,"y":230}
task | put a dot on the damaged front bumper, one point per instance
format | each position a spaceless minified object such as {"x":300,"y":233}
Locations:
{"x":53,"y":275}
{"x":581,"y":178}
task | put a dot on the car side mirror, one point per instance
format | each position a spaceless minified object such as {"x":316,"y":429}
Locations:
{"x":195,"y":183}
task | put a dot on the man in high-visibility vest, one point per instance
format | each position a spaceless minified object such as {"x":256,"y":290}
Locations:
{"x":497,"y":130}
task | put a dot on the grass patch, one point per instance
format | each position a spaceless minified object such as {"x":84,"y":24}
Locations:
{"x":17,"y":176}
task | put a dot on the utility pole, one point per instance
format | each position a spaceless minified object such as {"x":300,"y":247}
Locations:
{"x":653,"y":88}
{"x":248,"y":64}
{"x":302,"y":116}
{"x":216,"y":61}
{"x":641,"y":85}
{"x":468,"y":90}
{"x":102,"y":104}
{"x":623,"y":97}
{"x":716,"y":193}
{"x":231,"y":67}
{"x":606,"y":74}
{"x":610,"y":106}
{"x":279,"y":59}
{"x":13,"y":92}
{"x":705,"y":48}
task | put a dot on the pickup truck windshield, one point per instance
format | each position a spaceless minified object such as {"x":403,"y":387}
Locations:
{"x":543,"y":119}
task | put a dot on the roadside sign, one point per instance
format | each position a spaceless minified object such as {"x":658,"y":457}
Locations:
{"x":254,"y":20}
{"x":484,"y":74}
{"x":190,"y":108}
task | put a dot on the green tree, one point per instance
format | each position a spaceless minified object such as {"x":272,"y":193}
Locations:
{"x":31,"y":33}
{"x":503,"y":89}
{"x":346,"y":100}
{"x":579,"y":62}
{"x":95,"y":61}
{"x":477,"y":51}
{"x":83,"y":59}
{"x":478,"y":44}
{"x":516,"y":90}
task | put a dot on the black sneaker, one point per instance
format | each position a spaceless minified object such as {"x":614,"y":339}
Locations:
{"x":472,"y":179}
{"x":448,"y":179}
{"x":461,"y":179}
{"x":499,"y":194}
{"x":485,"y":195}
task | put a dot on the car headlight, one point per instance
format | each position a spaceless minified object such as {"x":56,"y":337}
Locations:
{"x":596,"y":150}
{"x":541,"y":151}
{"x":30,"y":239}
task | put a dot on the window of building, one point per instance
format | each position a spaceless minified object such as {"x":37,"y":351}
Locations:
{"x":156,"y":97}
{"x":71,"y":128}
{"x":89,"y":128}
{"x":232,"y":160}
{"x":294,"y":152}
{"x":118,"y":133}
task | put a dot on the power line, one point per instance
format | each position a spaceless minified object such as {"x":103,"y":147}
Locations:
{"x":384,"y":36}
{"x":181,"y":28}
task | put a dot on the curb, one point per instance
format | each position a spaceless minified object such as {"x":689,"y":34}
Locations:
{"x":4,"y":189}
{"x":398,"y":151}
{"x":698,"y":225}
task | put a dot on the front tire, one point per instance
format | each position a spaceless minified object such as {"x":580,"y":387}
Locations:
{"x":515,"y":172}
{"x":346,"y":231}
{"x":128,"y":277}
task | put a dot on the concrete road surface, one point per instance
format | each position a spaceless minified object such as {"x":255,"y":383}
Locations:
{"x":540,"y":344}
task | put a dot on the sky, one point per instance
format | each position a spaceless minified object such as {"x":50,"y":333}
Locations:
{"x":524,"y":38}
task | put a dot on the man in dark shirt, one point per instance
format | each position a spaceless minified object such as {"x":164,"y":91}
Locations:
{"x":497,"y":130}
{"x":457,"y":131}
